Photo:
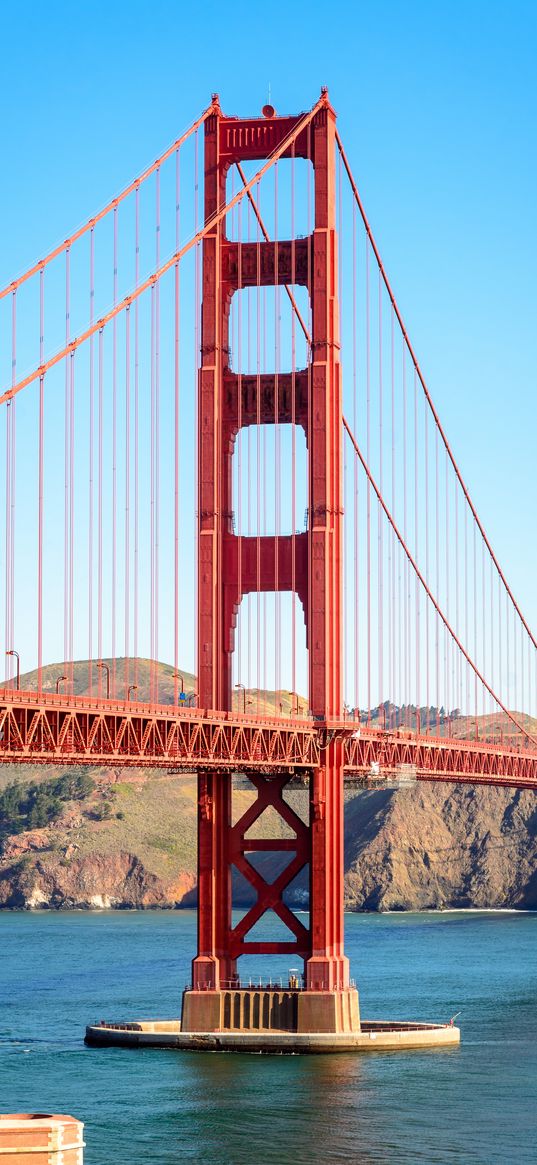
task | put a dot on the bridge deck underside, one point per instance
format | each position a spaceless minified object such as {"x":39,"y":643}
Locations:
{"x":39,"y":728}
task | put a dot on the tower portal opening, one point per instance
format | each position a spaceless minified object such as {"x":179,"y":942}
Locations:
{"x":266,"y":334}
{"x":270,"y":480}
{"x":270,"y":660}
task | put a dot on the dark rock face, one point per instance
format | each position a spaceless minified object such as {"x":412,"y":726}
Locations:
{"x":441,"y":845}
{"x":94,"y":882}
{"x":415,"y":849}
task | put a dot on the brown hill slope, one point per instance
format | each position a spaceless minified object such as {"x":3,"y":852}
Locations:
{"x":132,"y":843}
{"x":436,"y":846}
{"x":84,"y":677}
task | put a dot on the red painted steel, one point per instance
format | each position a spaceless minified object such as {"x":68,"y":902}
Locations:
{"x":44,"y":728}
{"x":309,"y":564}
{"x":374,"y":754}
{"x":57,"y":729}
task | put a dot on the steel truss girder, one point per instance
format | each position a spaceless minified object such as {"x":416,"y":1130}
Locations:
{"x":42,"y":728}
{"x":438,"y":759}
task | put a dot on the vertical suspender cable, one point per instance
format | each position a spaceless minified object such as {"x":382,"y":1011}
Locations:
{"x":392,"y":547}
{"x":71,"y":511}
{"x":380,"y":565}
{"x":100,"y":580}
{"x":9,"y":659}
{"x":356,"y":560}
{"x":239,"y":448}
{"x":293,"y":435}
{"x":136,"y":432}
{"x":114,"y":464}
{"x":427,"y":608}
{"x":152,"y":597}
{"x":67,"y":476}
{"x":126,"y":677}
{"x":157,"y":436}
{"x":176,"y":350}
{"x":277,"y":459}
{"x":258,"y":453}
{"x":368,"y":455}
{"x":417,"y":643}
{"x":437,"y":570}
{"x":448,"y":557}
{"x":91,"y":454}
{"x":264,"y":460}
{"x":40,"y":485}
{"x":406,"y":613}
{"x":197,"y":310}
{"x":249,"y":465}
{"x":475,"y":612}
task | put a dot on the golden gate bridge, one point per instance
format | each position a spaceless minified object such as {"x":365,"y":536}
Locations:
{"x":218,"y":438}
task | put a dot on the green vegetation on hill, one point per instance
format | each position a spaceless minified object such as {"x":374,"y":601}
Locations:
{"x":36,"y":805}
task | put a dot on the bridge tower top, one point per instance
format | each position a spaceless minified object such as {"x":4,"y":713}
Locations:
{"x":309,"y":564}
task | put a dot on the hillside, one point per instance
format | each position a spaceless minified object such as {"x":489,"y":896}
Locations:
{"x":83,"y":678}
{"x":78,"y":838}
{"x":132,"y":843}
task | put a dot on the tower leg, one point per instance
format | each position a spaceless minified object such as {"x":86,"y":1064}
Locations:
{"x":329,"y":1003}
{"x":213,"y":965}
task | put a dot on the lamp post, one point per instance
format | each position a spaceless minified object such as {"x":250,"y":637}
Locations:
{"x":58,"y":682}
{"x":294,"y":704}
{"x":105,"y":667}
{"x":177,"y":676}
{"x":131,"y":688}
{"x":16,"y":654}
{"x":241,"y":687}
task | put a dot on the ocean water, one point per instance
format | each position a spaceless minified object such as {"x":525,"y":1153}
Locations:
{"x":476,"y":1104}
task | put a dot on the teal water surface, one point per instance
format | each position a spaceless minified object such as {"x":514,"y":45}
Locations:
{"x":475,"y":1104}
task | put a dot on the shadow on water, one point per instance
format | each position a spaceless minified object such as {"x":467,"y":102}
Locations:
{"x":292,"y":1109}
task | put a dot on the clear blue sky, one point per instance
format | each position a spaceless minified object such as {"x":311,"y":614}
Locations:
{"x":437,"y":105}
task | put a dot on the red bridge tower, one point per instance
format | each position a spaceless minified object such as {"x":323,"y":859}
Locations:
{"x":312,"y":398}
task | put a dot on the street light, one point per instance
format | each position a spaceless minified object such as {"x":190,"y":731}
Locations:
{"x":131,"y":688}
{"x":241,"y":687}
{"x":16,"y":654}
{"x":177,"y":676}
{"x":105,"y":667}
{"x":294,"y":701}
{"x":58,"y":682}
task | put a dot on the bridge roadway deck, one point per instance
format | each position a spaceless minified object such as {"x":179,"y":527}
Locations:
{"x":45,"y":728}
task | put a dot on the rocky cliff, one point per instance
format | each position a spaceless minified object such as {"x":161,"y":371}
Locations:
{"x":433,"y":846}
{"x":131,"y":843}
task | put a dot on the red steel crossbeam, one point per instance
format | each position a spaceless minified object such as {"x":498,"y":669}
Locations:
{"x":269,"y":894}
